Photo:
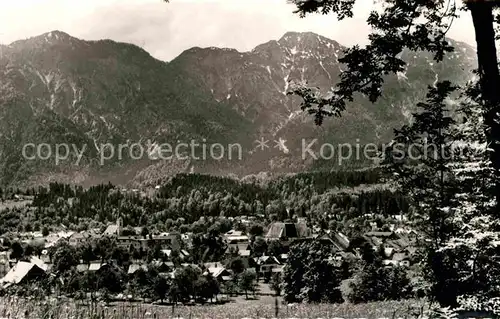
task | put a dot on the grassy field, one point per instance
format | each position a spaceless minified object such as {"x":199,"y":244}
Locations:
{"x":14,"y":204}
{"x":264,"y":307}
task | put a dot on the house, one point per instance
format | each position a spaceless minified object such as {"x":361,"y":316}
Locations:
{"x":337,"y":239}
{"x":402,"y":259}
{"x":40,"y":263}
{"x":77,"y":238}
{"x":287,"y":231}
{"x":4,"y":256}
{"x":51,"y":240}
{"x":82,"y":267}
{"x":266,"y":264}
{"x":219,"y":272}
{"x":382,"y":234}
{"x":115,"y":229}
{"x":168,"y":240}
{"x":22,"y":272}
{"x":388,"y":252}
{"x":182,"y":253}
{"x":194,"y":266}
{"x":212,"y":265}
{"x":233,"y":232}
{"x":244,"y":253}
{"x":187,"y":239}
{"x":45,"y":257}
{"x":133,"y":268}
{"x":126,"y":242}
{"x":283,"y":258}
{"x":278,"y":269}
{"x":340,"y":240}
{"x":390,"y":263}
{"x":237,"y":248}
{"x":97,"y":266}
{"x":163,"y":267}
{"x":235,"y":237}
{"x":65,"y":234}
{"x":112,"y":230}
{"x":378,"y":238}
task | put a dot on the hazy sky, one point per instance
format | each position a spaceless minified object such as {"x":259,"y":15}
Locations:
{"x":165,"y":30}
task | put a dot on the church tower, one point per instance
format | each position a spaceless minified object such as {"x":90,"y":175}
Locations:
{"x":119,"y":226}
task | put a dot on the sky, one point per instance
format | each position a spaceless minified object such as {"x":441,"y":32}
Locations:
{"x":165,"y":30}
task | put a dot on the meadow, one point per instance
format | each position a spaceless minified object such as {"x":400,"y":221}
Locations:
{"x":262,"y":308}
{"x":11,"y":204}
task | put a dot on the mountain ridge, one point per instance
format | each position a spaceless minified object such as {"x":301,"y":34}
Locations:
{"x":60,"y":88}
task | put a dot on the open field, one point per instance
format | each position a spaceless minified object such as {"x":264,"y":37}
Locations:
{"x":262,"y":308}
{"x":14,"y":204}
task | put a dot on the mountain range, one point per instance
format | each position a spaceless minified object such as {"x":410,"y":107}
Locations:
{"x":57,"y":89}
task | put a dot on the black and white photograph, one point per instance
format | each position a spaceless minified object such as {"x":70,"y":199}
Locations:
{"x":249,"y":159}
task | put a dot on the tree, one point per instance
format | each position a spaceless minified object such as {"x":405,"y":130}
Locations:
{"x":247,"y":281}
{"x":45,"y":231}
{"x":471,"y":255}
{"x":374,"y":282}
{"x":421,"y":160}
{"x":72,"y":282}
{"x":276,"y":283}
{"x":311,"y":274}
{"x":64,"y":257}
{"x":413,"y":25}
{"x":259,"y":246}
{"x":237,"y":265}
{"x":161,"y":287}
{"x":110,"y":279}
{"x":144,"y":232}
{"x":275,"y":248}
{"x":17,"y":250}
{"x":140,"y":284}
{"x":207,"y":287}
{"x":256,"y":230}
{"x":86,"y":252}
{"x":185,"y":280}
{"x":453,"y":196}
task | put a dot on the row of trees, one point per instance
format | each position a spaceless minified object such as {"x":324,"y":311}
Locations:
{"x":314,"y":273}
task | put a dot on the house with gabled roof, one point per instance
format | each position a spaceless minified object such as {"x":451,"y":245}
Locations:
{"x":266,"y":264}
{"x":220,"y":272}
{"x":133,"y":268}
{"x":78,"y":238}
{"x":238,"y":247}
{"x":21,"y":272}
{"x":163,"y":266}
{"x":40,"y":263}
{"x":98,"y":266}
{"x":287,"y":231}
{"x":337,"y":239}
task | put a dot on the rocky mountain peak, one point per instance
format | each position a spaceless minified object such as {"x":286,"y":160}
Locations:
{"x":60,"y":88}
{"x":55,"y":37}
{"x":300,"y":46}
{"x":305,"y":39}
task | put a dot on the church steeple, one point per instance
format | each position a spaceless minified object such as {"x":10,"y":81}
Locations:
{"x":119,"y":225}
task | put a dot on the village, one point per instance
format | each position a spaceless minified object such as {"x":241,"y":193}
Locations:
{"x":174,"y":252}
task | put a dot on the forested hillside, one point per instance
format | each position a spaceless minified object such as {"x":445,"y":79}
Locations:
{"x":186,"y":198}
